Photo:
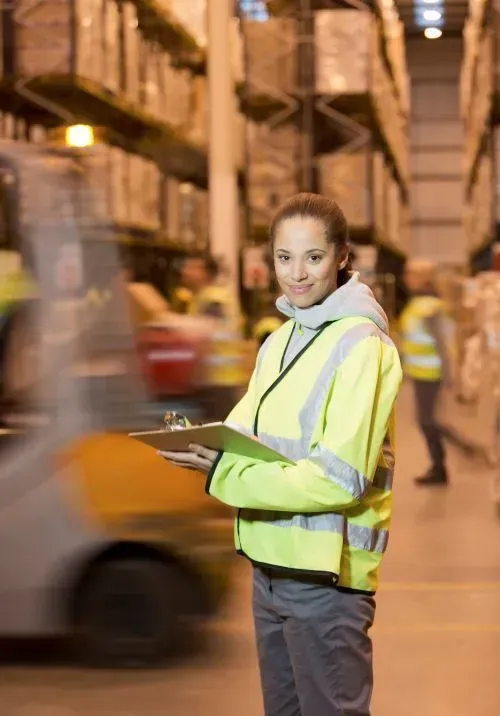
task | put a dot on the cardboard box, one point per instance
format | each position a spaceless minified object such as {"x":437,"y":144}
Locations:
{"x":118,"y":187}
{"x":347,"y":179}
{"x":189,"y":228}
{"x":151,"y":195}
{"x":38,"y":134}
{"x":393,"y":211}
{"x":199,"y":112}
{"x":271,"y":52}
{"x":343,"y":40}
{"x":379,"y":194}
{"x":151,"y":87}
{"x":111,"y":33}
{"x":136,"y":211}
{"x":71,"y":43}
{"x":172,"y":203}
{"x":131,"y":51}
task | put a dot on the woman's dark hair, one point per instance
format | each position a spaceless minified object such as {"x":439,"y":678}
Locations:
{"x":321,"y":208}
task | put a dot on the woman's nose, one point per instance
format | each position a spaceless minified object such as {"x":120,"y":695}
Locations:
{"x":298,"y":272}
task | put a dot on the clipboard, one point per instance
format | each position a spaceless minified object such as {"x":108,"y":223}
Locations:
{"x":216,"y":436}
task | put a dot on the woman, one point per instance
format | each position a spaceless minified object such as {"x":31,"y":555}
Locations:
{"x":322,"y":394}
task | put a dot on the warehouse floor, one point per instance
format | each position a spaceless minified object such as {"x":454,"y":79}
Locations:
{"x":437,"y":635}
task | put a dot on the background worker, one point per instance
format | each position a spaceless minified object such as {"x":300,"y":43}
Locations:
{"x":426,"y":362}
{"x":224,"y":366}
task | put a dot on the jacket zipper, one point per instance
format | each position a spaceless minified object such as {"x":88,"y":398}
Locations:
{"x":282,"y":374}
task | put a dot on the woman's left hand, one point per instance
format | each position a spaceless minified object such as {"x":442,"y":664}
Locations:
{"x":197,"y":458}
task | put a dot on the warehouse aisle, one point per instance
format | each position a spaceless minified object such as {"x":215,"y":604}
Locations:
{"x":437,"y":636}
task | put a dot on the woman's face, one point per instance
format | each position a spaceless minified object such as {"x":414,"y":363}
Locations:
{"x":305,"y":263}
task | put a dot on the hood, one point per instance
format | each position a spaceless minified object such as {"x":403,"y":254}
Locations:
{"x":352,"y":300}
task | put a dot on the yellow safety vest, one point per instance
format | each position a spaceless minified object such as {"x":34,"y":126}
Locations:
{"x":14,"y":287}
{"x":225,"y":361}
{"x":421,"y":358}
{"x":266,"y":326}
{"x":330,"y":410}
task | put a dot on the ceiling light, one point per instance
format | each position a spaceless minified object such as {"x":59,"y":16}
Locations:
{"x":432,"y":15}
{"x":432,"y":33}
{"x":431,"y":2}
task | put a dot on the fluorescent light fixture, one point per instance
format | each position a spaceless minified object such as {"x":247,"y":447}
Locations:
{"x":432,"y":15}
{"x":432,"y":33}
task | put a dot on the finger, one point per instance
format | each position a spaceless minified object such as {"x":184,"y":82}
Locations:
{"x":204,"y":452}
{"x":178,"y":456}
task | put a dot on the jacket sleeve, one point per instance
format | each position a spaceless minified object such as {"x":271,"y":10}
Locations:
{"x":340,"y":467}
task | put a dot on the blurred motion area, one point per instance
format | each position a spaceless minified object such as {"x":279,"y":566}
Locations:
{"x":144,"y":147}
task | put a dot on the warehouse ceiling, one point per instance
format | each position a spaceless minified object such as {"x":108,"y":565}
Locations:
{"x":453,"y":14}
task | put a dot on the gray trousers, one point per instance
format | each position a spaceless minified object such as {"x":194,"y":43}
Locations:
{"x":315,"y":655}
{"x":427,"y":394}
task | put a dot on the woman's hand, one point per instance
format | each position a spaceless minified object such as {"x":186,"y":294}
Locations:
{"x":197,"y":458}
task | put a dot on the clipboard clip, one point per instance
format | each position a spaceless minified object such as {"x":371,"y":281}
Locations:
{"x":175,"y":421}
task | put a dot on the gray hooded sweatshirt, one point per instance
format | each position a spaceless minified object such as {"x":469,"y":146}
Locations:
{"x":352,"y":300}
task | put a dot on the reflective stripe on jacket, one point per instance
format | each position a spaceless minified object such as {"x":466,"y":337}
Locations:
{"x":330,"y":410}
{"x":421,"y":357}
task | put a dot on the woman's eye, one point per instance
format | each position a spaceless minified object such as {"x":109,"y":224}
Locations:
{"x":315,"y":259}
{"x":283,"y":259}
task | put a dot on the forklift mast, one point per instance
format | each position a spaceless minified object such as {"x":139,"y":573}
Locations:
{"x":54,"y":215}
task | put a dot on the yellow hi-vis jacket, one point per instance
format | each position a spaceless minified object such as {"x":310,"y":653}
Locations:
{"x":224,"y":362}
{"x":421,"y":359}
{"x":14,"y":287}
{"x":331,"y":411}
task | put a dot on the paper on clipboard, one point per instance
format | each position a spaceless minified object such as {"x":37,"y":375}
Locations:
{"x":216,"y":436}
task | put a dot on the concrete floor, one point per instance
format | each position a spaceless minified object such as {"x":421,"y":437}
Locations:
{"x":437,"y":634}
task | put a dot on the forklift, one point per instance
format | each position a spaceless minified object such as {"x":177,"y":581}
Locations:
{"x":101,"y":541}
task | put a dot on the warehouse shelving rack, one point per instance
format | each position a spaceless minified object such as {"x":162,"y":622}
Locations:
{"x":55,"y":99}
{"x":326,"y":123}
{"x":480,"y":140}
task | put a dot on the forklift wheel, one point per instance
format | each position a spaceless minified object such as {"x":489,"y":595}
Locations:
{"x":130,"y":613}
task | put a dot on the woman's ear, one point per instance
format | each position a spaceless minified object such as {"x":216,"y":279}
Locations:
{"x":343,"y":259}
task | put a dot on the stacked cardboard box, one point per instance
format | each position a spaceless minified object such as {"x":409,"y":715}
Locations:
{"x":270,"y":49}
{"x":151,"y":57}
{"x":480,"y":108}
{"x":272,"y":169}
{"x":177,"y":94}
{"x":347,"y":179}
{"x":393,"y":211}
{"x":342,"y":45}
{"x":111,"y":49}
{"x":482,"y":206}
{"x":37,"y":134}
{"x":198,"y":129}
{"x":71,"y":42}
{"x":170,"y":201}
{"x":117,"y":179}
{"x":130,"y":51}
{"x":203,"y":217}
{"x":151,"y":195}
{"x":188,"y":214}
{"x":379,"y":194}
